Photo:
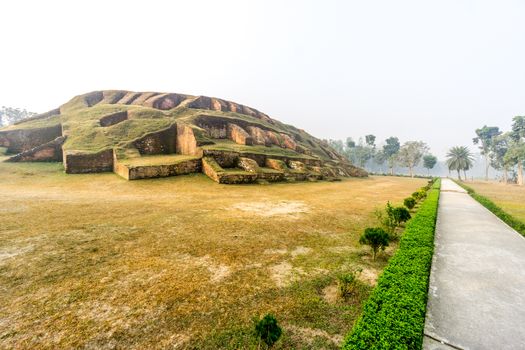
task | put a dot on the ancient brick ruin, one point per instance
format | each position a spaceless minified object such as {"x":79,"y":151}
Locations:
{"x":148,"y":135}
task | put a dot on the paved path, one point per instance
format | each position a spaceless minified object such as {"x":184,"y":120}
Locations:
{"x":477,"y":283}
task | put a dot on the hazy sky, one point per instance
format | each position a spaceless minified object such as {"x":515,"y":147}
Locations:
{"x":429,"y":70}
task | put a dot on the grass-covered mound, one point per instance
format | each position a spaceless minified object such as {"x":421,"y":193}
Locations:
{"x":106,"y":130}
{"x":80,"y":120}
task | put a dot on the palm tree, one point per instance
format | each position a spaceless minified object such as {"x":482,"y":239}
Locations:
{"x":459,"y":158}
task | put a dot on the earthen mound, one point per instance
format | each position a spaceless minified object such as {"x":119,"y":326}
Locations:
{"x":142,"y":135}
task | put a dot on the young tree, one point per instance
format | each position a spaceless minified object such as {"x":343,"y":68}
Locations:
{"x":459,"y":158}
{"x":401,"y":214}
{"x":498,"y":149}
{"x":485,"y":138}
{"x":376,"y":238}
{"x":516,"y":156}
{"x":349,"y":149}
{"x":429,"y":161}
{"x":350,"y":143}
{"x":410,"y":154}
{"x":380,"y":158}
{"x":361,"y":153}
{"x":391,"y":218}
{"x":337,"y":145}
{"x":268,"y":330}
{"x":370,"y":140}
{"x":348,"y":282}
{"x":516,"y":150}
{"x":390,"y":150}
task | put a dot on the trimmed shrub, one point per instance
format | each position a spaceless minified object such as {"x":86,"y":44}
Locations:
{"x":401,"y":214}
{"x":419,"y":194}
{"x":376,"y":238}
{"x":268,"y":330}
{"x":409,"y":202}
{"x":394,"y":315}
{"x":516,"y":224}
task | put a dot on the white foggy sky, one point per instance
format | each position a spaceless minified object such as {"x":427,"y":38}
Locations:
{"x":428,"y":70}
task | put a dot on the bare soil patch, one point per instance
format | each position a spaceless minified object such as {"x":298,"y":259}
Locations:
{"x":269,"y":209}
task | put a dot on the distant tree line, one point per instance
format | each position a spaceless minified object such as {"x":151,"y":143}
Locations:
{"x":9,"y":115}
{"x":503,"y":151}
{"x":392,"y":153}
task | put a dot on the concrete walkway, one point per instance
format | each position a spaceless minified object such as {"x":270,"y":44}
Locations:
{"x":477,"y":284}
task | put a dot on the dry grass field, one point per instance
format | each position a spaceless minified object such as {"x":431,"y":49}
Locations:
{"x":510,"y":198}
{"x":94,"y":261}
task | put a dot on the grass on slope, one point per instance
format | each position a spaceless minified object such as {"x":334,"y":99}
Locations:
{"x":227,"y":145}
{"x":81,"y":124}
{"x":36,"y":123}
{"x":156,"y":160}
{"x":95,"y":261}
{"x":84,"y":132}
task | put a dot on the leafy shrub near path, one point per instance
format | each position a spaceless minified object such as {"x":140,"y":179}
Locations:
{"x":394,"y":315}
{"x":419,"y":194}
{"x":495,"y":209}
{"x":348,"y":283}
{"x":409,"y":202}
{"x":391,"y":218}
{"x":401,"y":214}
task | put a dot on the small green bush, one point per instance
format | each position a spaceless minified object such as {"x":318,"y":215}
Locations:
{"x":385,"y":219}
{"x":409,"y":202}
{"x":391,"y":218}
{"x":348,"y":283}
{"x":419,"y":194}
{"x":401,"y":214}
{"x":376,"y":238}
{"x":268,"y":330}
{"x":394,"y":315}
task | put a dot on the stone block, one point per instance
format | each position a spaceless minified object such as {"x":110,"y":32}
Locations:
{"x":248,"y":165}
{"x":239,"y":135}
{"x":159,"y":142}
{"x":79,"y":162}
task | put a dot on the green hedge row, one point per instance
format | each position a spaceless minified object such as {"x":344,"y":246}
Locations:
{"x":394,"y":315}
{"x":495,"y":209}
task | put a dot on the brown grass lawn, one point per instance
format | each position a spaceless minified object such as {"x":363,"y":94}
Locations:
{"x":94,"y":261}
{"x":510,"y":198}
